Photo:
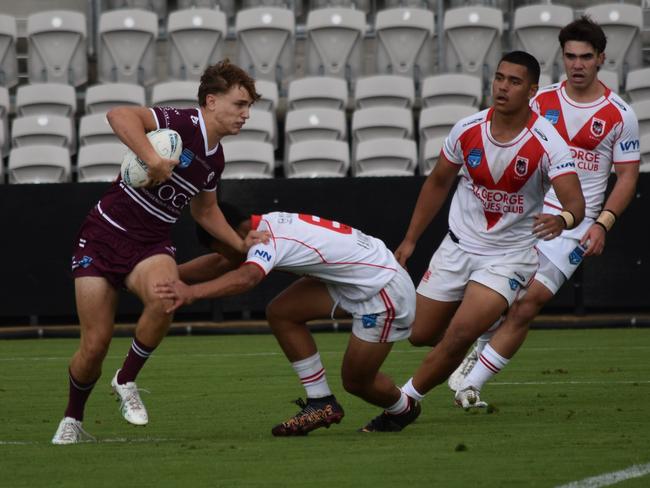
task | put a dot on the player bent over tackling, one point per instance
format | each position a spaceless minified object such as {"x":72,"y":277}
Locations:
{"x":344,"y":271}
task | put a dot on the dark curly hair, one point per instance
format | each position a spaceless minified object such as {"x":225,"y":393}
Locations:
{"x":221,"y":77}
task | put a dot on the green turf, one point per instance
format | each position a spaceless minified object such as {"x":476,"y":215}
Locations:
{"x":573,"y":404}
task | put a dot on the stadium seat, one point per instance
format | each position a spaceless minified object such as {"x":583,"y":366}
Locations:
{"x":622,"y":24}
{"x":536,"y":29}
{"x":95,"y":129}
{"x":314,"y":123}
{"x":404,"y":42}
{"x":4,"y":145}
{"x":473,"y":40}
{"x":362,"y":5}
{"x":430,"y":155}
{"x":195,"y":38}
{"x":159,"y":7}
{"x":179,"y":94}
{"x":43,"y":130}
{"x":248,"y":159}
{"x":318,"y":91}
{"x":126,"y":47}
{"x":438,"y":120}
{"x":637,"y":85}
{"x":8,"y":59}
{"x":385,"y":157}
{"x":102,"y":98}
{"x":642,"y":111}
{"x":645,"y":153}
{"x":383,"y":90}
{"x":334,"y":42}
{"x":382,"y":122}
{"x":259,"y":127}
{"x":270,"y":96}
{"x":544,"y":80}
{"x":226,"y":6}
{"x":46,"y":98}
{"x":265,"y":42}
{"x":58,"y":51}
{"x":4,"y":117}
{"x":314,"y":159}
{"x":99,"y":162}
{"x":39,"y":164}
{"x":451,"y":88}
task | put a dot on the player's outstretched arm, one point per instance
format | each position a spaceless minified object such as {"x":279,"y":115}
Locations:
{"x":205,"y":268}
{"x":432,"y":196}
{"x":234,"y":282}
{"x":620,"y":197}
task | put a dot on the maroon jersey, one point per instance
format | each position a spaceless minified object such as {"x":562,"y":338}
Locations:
{"x":146,"y":214}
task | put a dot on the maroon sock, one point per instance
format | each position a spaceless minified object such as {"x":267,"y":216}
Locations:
{"x":77,"y":396}
{"x":135,"y":359}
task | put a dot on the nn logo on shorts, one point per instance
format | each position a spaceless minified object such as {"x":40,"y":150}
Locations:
{"x":514,"y":284}
{"x":263,"y":254}
{"x":83,"y":262}
{"x":369,"y":320}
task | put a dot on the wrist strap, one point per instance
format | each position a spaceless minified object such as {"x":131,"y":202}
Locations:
{"x":569,"y":219}
{"x":607,"y":218}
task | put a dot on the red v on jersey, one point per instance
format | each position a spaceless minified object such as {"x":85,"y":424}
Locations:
{"x":521,"y":167}
{"x":596,"y":128}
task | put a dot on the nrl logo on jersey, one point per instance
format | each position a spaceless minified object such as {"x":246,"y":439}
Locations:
{"x":552,"y":116}
{"x":474,"y":157}
{"x":521,"y":166}
{"x":597,"y":127}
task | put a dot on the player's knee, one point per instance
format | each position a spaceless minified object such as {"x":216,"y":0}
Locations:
{"x":354,"y":386}
{"x":275,"y":313}
{"x":420,"y":338}
{"x":94,"y":352}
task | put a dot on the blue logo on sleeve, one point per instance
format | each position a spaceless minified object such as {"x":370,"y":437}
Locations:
{"x":629,"y":146}
{"x":263,"y":254}
{"x":369,"y":320}
{"x":474,"y":157}
{"x":552,"y":116}
{"x":186,"y":158}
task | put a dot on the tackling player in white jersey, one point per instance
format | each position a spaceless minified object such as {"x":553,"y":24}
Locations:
{"x":507,"y":157}
{"x":343,"y":270}
{"x":601,"y":130}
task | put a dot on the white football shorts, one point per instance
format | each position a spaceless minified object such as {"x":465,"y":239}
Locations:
{"x":451,"y":268}
{"x":385,"y":317}
{"x":559,"y":259}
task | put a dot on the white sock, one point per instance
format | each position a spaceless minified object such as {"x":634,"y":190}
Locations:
{"x":400,"y":406}
{"x":489,"y":363}
{"x":410,"y":390}
{"x":312,"y":376}
{"x":487,"y":335}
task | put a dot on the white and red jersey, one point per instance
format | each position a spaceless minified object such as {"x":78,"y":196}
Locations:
{"x":502,"y":185}
{"x":360,"y":265}
{"x":599,"y":134}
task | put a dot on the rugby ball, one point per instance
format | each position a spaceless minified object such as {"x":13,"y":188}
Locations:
{"x":166,"y":142}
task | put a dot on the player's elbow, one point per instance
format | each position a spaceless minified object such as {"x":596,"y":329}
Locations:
{"x":249,"y":276}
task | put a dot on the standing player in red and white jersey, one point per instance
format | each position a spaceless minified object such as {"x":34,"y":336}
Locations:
{"x":344,"y":271}
{"x":508,"y":156}
{"x":125,"y":239}
{"x":601,"y":130}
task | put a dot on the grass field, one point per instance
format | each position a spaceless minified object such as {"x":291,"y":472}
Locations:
{"x":573,"y":404}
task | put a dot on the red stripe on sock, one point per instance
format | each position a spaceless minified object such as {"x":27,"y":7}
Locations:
{"x":488,"y":364}
{"x":314,"y":377}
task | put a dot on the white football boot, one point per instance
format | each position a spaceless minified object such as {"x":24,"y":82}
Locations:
{"x":456,"y":378}
{"x":131,"y":405}
{"x":469,"y":398}
{"x":71,"y":432}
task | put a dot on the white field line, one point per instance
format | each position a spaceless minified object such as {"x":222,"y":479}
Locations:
{"x":115,"y":440}
{"x":608,"y":479}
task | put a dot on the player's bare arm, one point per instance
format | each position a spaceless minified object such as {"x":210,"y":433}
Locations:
{"x":244,"y":278}
{"x":620,"y":197}
{"x":569,"y":192}
{"x":205,"y":268}
{"x":432,"y":196}
{"x":130,"y":125}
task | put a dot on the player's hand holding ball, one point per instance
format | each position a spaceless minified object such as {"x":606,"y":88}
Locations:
{"x":168,"y":146}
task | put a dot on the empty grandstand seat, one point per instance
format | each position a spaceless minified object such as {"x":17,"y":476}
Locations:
{"x":259,"y":127}
{"x":645,"y":153}
{"x":363,"y":5}
{"x":4,"y":125}
{"x":473,"y":40}
{"x":226,"y":6}
{"x":382,"y":122}
{"x":44,"y":130}
{"x":642,"y":112}
{"x":159,"y":7}
{"x":314,"y":123}
{"x":385,"y":157}
{"x":454,"y":88}
{"x":8,"y":59}
{"x":544,"y":80}
{"x":622,"y":24}
{"x":437,"y":121}
{"x":637,"y":85}
{"x":196,"y":39}
{"x":382,"y":90}
{"x":404,"y":42}
{"x":46,"y":98}
{"x":430,"y":154}
{"x":318,"y":91}
{"x":536,"y":29}
{"x":102,"y":98}
{"x":248,"y":159}
{"x":270,"y":96}
{"x":179,"y":94}
{"x":265,"y":42}
{"x":318,"y":158}
{"x":334,"y":41}
{"x":95,"y":129}
{"x":39,"y":164}
{"x":4,"y":145}
{"x":99,"y":162}
{"x":126,"y":46}
{"x":58,"y":51}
